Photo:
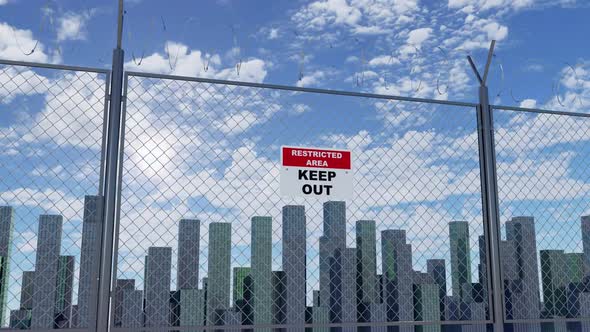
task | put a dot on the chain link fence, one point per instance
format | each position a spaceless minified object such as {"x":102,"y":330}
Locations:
{"x":51,"y":133}
{"x":205,"y":239}
{"x":543,"y":189}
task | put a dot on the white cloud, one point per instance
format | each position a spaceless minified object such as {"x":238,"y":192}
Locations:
{"x":72,"y":26}
{"x":314,"y":78}
{"x":418,"y":36}
{"x":273,"y":33}
{"x":490,"y":4}
{"x":528,"y":103}
{"x":178,"y":59}
{"x":17,"y":44}
{"x":383,"y":60}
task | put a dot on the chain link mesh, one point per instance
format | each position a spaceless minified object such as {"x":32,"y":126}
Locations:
{"x":543,"y":187}
{"x":206,"y":239}
{"x":51,"y":131}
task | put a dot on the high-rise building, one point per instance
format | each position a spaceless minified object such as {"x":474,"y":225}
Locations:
{"x":20,"y":319}
{"x":89,"y":256}
{"x":242,"y":292}
{"x":585,"y":228}
{"x":158,"y":264}
{"x":482,"y":267}
{"x":27,"y":290}
{"x":294,"y":264}
{"x":132,"y":314}
{"x":240,"y":284}
{"x":219,"y":267}
{"x":334,"y":223}
{"x":524,"y":292}
{"x":121,"y":286}
{"x":64,"y":287}
{"x":192,"y":307}
{"x":366,"y":239}
{"x":460,"y":255}
{"x":427,"y":306}
{"x":436,"y":269}
{"x":46,"y":271}
{"x":559,"y":270}
{"x":6,"y":225}
{"x":398,"y":293}
{"x":279,"y":296}
{"x":261,"y":243}
{"x":320,"y":315}
{"x":188,"y":254}
{"x":347,"y":262}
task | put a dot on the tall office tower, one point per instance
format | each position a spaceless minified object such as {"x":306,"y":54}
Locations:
{"x":437,"y":271}
{"x":242,"y":294}
{"x":554,"y":277}
{"x":427,"y":306}
{"x":334,"y":238}
{"x":230,"y":318}
{"x":219,"y":267}
{"x":279,"y":295}
{"x":174,"y":308}
{"x":558,"y":271}
{"x":262,"y":270}
{"x":158,"y":267}
{"x":89,"y":256}
{"x":366,"y":239}
{"x":121,"y":286}
{"x":188,"y":254}
{"x":20,"y":319}
{"x":64,"y":286}
{"x":525,"y":302}
{"x":460,"y":255}
{"x":192,"y":307}
{"x":320,"y":315}
{"x":239,"y":287}
{"x":482,"y":267}
{"x":27,"y":290}
{"x":294,"y":264}
{"x":132,"y":314}
{"x":46,"y":271}
{"x":585,"y":311}
{"x":316,"y":298}
{"x":348,"y":286}
{"x":585,"y":226}
{"x":335,"y":223}
{"x":397,"y":274}
{"x":326,"y":252}
{"x":378,"y":315}
{"x":477,"y":311}
{"x":6,"y":225}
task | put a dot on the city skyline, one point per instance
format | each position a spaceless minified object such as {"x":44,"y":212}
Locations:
{"x":350,"y":287}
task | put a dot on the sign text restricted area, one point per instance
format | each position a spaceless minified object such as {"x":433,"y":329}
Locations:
{"x":316,"y":172}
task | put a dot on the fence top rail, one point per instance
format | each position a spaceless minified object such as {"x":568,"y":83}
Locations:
{"x":299,"y":89}
{"x":539,"y":110}
{"x":53,"y":66}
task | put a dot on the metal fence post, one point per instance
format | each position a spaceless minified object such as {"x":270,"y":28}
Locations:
{"x":489,"y":188}
{"x":111,"y":183}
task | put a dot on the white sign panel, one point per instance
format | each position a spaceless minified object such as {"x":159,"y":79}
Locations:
{"x":316,"y":172}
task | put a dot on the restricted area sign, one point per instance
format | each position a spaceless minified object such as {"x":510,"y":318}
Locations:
{"x":316,"y":172}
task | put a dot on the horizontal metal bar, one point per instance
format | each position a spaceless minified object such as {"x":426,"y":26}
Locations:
{"x":52,"y":66}
{"x":44,"y":330}
{"x":547,"y":320}
{"x":301,"y":89}
{"x":538,"y":110}
{"x":286,"y":326}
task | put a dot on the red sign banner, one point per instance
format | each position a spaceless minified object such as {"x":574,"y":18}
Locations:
{"x":316,"y":158}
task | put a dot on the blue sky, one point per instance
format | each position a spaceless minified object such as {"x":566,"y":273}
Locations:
{"x":200,"y":150}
